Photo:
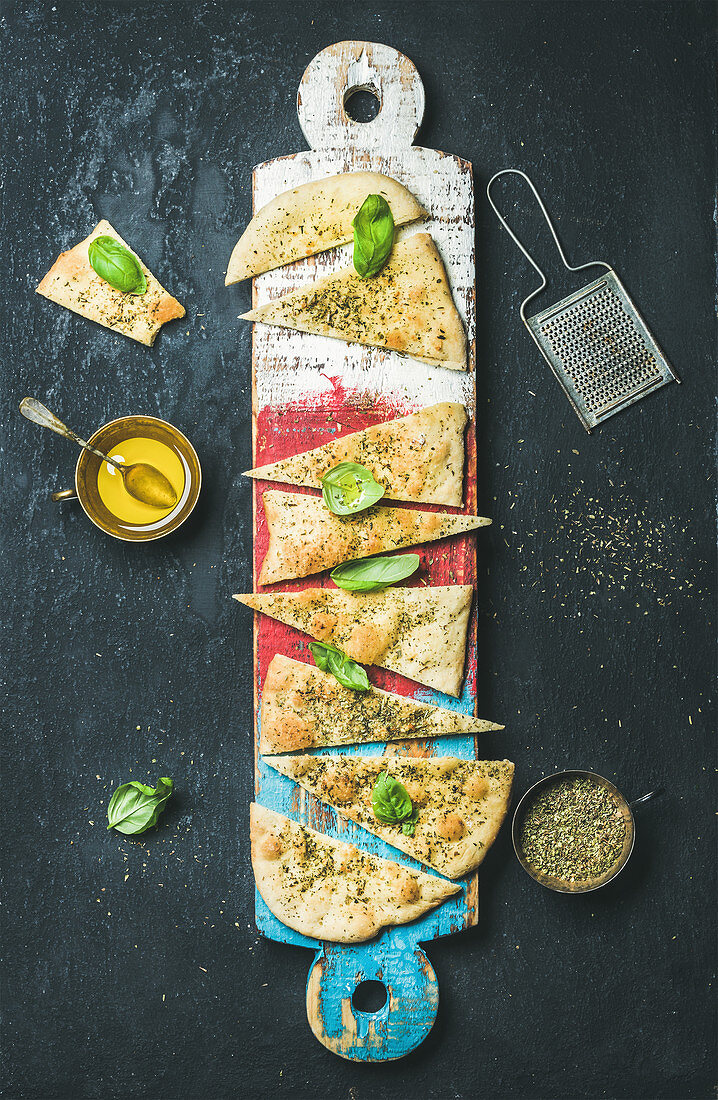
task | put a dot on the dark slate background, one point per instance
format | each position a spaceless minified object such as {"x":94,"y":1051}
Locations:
{"x":132,"y":967}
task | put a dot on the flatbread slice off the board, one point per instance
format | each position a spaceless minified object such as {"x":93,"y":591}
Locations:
{"x":72,"y":283}
{"x":418,"y":632}
{"x":330,"y":890}
{"x":312,"y":218}
{"x":459,"y":804}
{"x":416,"y":458}
{"x":305,"y":537}
{"x":305,"y":708}
{"x":407,"y":307}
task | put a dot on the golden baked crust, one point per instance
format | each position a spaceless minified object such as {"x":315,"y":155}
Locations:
{"x":418,"y":632}
{"x":312,"y":218}
{"x":303,"y":708}
{"x":305,"y":537}
{"x":407,"y":307}
{"x":330,"y":890}
{"x":72,"y":283}
{"x":416,"y":458}
{"x":460,"y":803}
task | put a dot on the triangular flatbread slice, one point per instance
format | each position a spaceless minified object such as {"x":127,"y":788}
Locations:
{"x":330,"y":890}
{"x":305,"y":708}
{"x":407,"y":307}
{"x":418,"y":632}
{"x":313,"y":218}
{"x":459,"y":804}
{"x":416,"y":458}
{"x":72,"y":283}
{"x":305,"y":537}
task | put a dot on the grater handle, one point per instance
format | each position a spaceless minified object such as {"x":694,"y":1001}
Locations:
{"x":514,"y":238}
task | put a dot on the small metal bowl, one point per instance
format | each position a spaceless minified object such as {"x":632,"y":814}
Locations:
{"x":88,"y":465}
{"x":584,"y":886}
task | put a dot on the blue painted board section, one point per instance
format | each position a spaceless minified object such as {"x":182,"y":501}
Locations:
{"x":407,"y":1015}
{"x":279,"y":793}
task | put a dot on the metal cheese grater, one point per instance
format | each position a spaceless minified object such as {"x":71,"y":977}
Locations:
{"x":595,"y":340}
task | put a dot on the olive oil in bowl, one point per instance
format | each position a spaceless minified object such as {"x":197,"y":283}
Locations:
{"x":100,"y":487}
{"x":111,"y":486}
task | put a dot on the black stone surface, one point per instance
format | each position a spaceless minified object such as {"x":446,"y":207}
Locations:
{"x":132,"y":967}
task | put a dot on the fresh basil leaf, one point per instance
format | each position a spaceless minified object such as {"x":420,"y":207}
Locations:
{"x":391,"y":803}
{"x":350,"y":488}
{"x":320,"y":653}
{"x":116,"y":265}
{"x":343,"y":668}
{"x":135,"y":807}
{"x":348,"y":672}
{"x":373,"y":235}
{"x":374,"y":573}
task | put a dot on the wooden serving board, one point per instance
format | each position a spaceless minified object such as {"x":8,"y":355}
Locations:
{"x":306,"y":390}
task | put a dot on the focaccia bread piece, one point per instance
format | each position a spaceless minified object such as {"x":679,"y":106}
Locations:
{"x":305,"y":537}
{"x":416,"y":458}
{"x":312,"y":218}
{"x":459,"y":804}
{"x":418,"y":632}
{"x":330,"y":890}
{"x":72,"y":283}
{"x":407,"y":307}
{"x":305,"y":708}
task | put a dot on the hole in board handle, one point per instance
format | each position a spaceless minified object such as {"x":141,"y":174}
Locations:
{"x":369,"y":996}
{"x":362,"y":103}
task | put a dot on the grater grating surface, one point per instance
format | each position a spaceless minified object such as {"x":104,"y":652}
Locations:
{"x":595,"y":340}
{"x":600,"y":350}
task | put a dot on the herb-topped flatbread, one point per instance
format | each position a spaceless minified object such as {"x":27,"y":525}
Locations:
{"x":330,"y":890}
{"x":313,"y":218}
{"x":71,"y":282}
{"x":456,"y":808}
{"x":305,"y":708}
{"x":407,"y":307}
{"x":416,"y":458}
{"x":418,"y":632}
{"x":305,"y":537}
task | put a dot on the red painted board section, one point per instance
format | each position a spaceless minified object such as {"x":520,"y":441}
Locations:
{"x":286,"y":430}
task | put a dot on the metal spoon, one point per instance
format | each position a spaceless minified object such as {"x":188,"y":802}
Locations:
{"x":142,"y":481}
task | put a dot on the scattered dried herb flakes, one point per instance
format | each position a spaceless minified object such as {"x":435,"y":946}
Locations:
{"x":610,"y":547}
{"x":573,"y":830}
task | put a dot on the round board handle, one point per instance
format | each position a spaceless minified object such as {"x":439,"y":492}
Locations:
{"x":399,"y":1026}
{"x":346,"y":67}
